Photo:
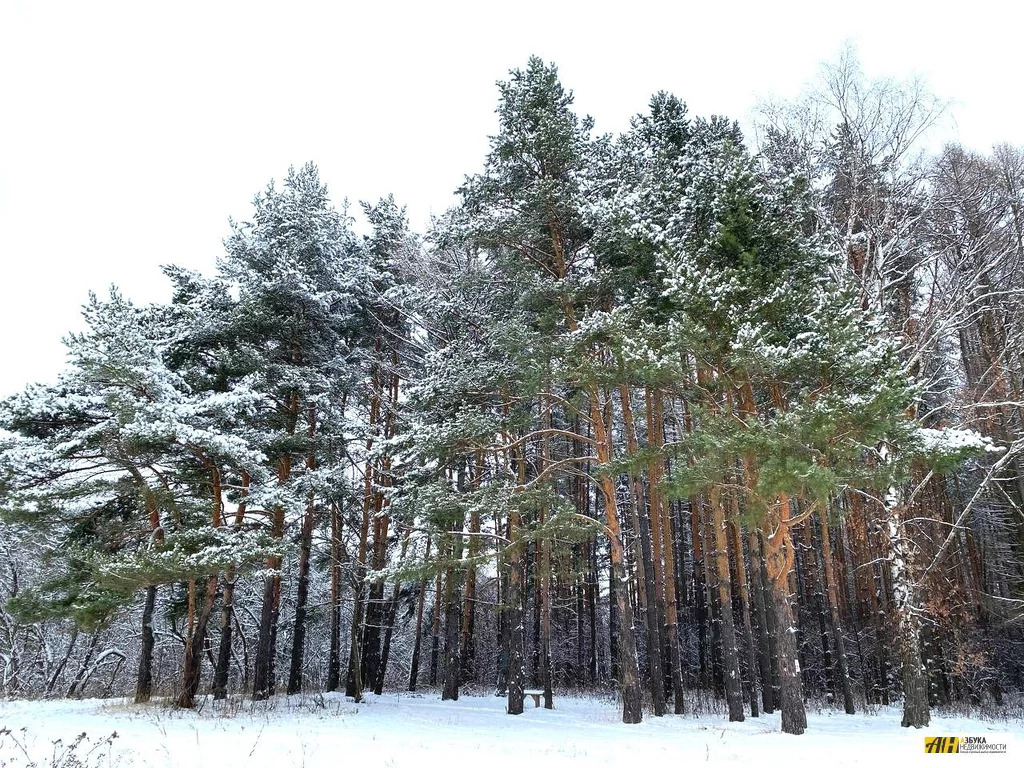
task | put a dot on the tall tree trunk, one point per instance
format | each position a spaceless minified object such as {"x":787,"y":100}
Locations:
{"x":222,"y":666}
{"x":451,"y":667}
{"x":301,"y":597}
{"x":591,"y":547}
{"x":195,"y":642}
{"x":701,"y":578}
{"x":376,"y":604}
{"x":414,"y":666}
{"x":263,"y":682}
{"x":672,"y":625}
{"x":835,"y":624}
{"x":794,"y":717}
{"x":355,"y":680}
{"x":543,"y":574}
{"x":744,"y":595}
{"x":883,"y":621}
{"x":801,"y":607}
{"x":334,"y":652}
{"x":779,"y":557}
{"x":632,"y":710}
{"x":614,"y":586}
{"x":435,"y":628}
{"x":144,"y":680}
{"x":354,"y":677}
{"x":466,"y":647}
{"x":513,"y":609}
{"x":262,"y":675}
{"x":302,"y":578}
{"x":702,"y":586}
{"x":629,"y":671}
{"x":227,"y":605}
{"x":600,"y":419}
{"x":866,"y":603}
{"x":764,"y":655}
{"x":389,"y":621}
{"x":532,"y":576}
{"x":515,"y":598}
{"x":730,"y":651}
{"x":661,"y":509}
{"x":657,"y":543}
{"x":916,"y":709}
{"x":647,"y":582}
{"x":544,"y":568}
{"x":372,"y":623}
{"x":503,"y":638}
{"x":649,"y":586}
{"x":579,"y":591}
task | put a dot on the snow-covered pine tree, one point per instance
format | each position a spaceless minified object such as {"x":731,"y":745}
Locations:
{"x":527,"y":210}
{"x":300,"y":282}
{"x":123,"y":433}
{"x":469,"y":407}
{"x":387,"y":252}
{"x":789,"y":392}
{"x":896,"y":231}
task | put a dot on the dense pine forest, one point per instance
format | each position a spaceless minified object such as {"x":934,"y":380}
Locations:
{"x":708,"y":420}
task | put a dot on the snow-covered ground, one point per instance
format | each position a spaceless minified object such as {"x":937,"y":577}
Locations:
{"x":395,"y":731}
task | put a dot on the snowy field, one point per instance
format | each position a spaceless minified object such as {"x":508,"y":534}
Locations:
{"x":420,"y":730}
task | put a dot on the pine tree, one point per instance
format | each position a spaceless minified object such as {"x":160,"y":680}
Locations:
{"x":527,"y":209}
{"x":300,"y":282}
{"x":124,"y":433}
{"x":788,"y":392}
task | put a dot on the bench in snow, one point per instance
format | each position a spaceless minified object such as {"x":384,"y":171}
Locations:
{"x":536,"y":697}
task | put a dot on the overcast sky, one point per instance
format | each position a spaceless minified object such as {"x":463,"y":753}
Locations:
{"x":129,"y":133}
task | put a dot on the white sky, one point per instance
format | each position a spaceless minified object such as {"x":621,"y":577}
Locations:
{"x":130,"y":133}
